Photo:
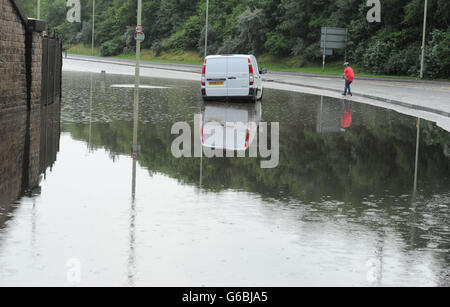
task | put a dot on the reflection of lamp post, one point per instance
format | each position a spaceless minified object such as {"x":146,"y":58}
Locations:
{"x":201,"y":170}
{"x":132,"y":242}
{"x":132,"y":254}
{"x":417,"y":157}
{"x":206,"y":30}
{"x":90,"y":115}
{"x":423,"y":38}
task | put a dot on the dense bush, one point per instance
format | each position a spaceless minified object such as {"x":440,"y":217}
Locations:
{"x":157,"y":48}
{"x":286,"y":28}
{"x":129,"y":41}
{"x":85,"y":35}
{"x":376,"y":56}
{"x":111,"y":48}
{"x":278,"y":45}
{"x":438,"y":55}
{"x":250,"y":32}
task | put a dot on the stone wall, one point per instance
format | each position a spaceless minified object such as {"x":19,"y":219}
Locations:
{"x":36,"y":70}
{"x":13,"y":90}
{"x":29,"y":129}
{"x":12,"y":131}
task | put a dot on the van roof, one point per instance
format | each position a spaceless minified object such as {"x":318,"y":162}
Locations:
{"x":229,"y":55}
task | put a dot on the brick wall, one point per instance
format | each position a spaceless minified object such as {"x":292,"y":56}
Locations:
{"x":12,"y":131}
{"x":36,"y":70}
{"x":25,"y":151}
{"x":13,"y":91}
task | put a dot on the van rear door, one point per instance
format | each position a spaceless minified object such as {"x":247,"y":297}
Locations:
{"x":216,"y":77}
{"x":238,"y":76}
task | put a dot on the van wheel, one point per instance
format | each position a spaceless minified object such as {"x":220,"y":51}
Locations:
{"x":262,"y":94}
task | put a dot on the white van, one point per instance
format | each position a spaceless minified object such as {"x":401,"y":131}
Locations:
{"x":234,"y":76}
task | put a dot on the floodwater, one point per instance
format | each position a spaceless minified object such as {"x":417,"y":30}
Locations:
{"x":347,"y":205}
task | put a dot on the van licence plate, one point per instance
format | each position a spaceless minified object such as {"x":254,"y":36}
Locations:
{"x":216,"y":82}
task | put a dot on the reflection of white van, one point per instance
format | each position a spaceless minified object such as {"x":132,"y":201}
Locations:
{"x":230,"y":126}
{"x":232,"y":77}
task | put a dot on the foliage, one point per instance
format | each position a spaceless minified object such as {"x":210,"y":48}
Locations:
{"x":281,"y":28}
{"x":277,"y":45}
{"x":110,"y":48}
{"x":438,"y":54}
{"x":85,"y":35}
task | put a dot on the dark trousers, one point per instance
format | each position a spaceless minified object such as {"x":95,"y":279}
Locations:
{"x":347,"y":87}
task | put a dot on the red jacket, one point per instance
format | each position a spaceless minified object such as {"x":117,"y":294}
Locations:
{"x":349,"y":73}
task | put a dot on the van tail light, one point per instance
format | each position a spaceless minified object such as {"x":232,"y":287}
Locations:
{"x":251,"y":72}
{"x":201,"y":134}
{"x":204,"y":75}
{"x":247,"y":139}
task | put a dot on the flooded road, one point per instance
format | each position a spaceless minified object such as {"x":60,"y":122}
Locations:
{"x":347,"y":205}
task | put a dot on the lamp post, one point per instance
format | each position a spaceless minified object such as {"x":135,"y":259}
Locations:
{"x":38,"y":9}
{"x":206,"y":30}
{"x":137,"y":78}
{"x":423,"y":39}
{"x":93,"y":26}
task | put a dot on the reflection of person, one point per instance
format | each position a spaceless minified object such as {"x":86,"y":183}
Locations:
{"x":348,"y":75}
{"x":346,"y":120}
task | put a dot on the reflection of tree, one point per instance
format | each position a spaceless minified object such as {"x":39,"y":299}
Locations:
{"x":373,"y":156}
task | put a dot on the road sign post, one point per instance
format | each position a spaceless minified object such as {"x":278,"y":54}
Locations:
{"x":324,"y":49}
{"x":139,"y":30}
{"x":333,"y":38}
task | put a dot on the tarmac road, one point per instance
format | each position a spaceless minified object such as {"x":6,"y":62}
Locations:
{"x":406,"y":96}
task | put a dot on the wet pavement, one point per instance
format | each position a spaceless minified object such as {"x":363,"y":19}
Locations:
{"x":347,"y":205}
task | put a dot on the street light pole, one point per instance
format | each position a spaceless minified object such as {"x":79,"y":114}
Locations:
{"x":137,"y":78}
{"x":423,"y":39}
{"x":206,"y":30}
{"x":38,"y":9}
{"x":93,"y":26}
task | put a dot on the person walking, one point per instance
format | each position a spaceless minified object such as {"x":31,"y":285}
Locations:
{"x":349,"y":76}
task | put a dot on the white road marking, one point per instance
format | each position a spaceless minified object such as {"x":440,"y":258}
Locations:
{"x":141,"y":86}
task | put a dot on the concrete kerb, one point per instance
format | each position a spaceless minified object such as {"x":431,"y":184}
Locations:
{"x":123,"y":62}
{"x":390,"y":101}
{"x":292,"y":73}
